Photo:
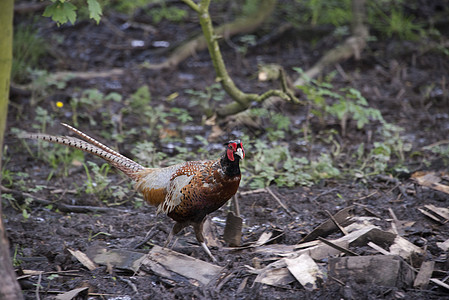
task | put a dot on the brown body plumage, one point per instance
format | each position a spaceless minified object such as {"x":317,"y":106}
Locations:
{"x":186,"y":192}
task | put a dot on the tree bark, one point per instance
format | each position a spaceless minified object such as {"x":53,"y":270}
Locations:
{"x":9,"y":287}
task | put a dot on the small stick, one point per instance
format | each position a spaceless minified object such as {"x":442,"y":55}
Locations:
{"x":314,"y":199}
{"x":336,"y":223}
{"x":38,"y":286}
{"x":253,"y":192}
{"x":339,"y":248}
{"x":378,"y":248}
{"x":279,"y":201}
{"x":395,"y":221}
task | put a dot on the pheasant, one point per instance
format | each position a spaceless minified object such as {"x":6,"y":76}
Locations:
{"x":186,"y":192}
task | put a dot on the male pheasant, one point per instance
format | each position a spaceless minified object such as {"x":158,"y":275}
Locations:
{"x":186,"y":192}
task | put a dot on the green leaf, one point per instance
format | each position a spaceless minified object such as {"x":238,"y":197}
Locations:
{"x":95,"y":11}
{"x":61,"y":12}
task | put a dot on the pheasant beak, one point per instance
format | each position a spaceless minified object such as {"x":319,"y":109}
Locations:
{"x":240,"y":153}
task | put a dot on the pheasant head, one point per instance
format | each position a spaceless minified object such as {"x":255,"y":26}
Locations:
{"x":230,"y":160}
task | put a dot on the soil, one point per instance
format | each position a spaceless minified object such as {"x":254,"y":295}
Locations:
{"x":405,"y":80}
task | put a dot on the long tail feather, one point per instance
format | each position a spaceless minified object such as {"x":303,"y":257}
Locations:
{"x":94,"y":141}
{"x":126,"y":165}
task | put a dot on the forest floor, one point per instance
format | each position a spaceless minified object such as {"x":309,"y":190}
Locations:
{"x":406,"y":82}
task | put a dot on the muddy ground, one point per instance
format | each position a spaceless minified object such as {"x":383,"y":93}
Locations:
{"x":406,"y":81}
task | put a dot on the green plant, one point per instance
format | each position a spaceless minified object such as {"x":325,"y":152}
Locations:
{"x":6,"y":177}
{"x":391,"y":145}
{"x":276,"y":124}
{"x":62,"y":11}
{"x":28,"y":48}
{"x":245,"y":42}
{"x":343,"y":104}
{"x":274,"y":164}
{"x":91,"y":100}
{"x":91,"y":237}
{"x":16,"y":261}
{"x":140,"y":100}
{"x":43,"y":119}
{"x":129,"y":7}
{"x":41,"y":84}
{"x":207,"y":98}
{"x":23,"y":207}
{"x":393,"y":22}
{"x":58,"y":157}
{"x":146,"y":154}
{"x":335,"y":12}
{"x":97,"y":183}
{"x":171,"y":13}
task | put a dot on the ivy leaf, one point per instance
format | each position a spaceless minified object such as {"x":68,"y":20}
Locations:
{"x":95,"y":11}
{"x":61,"y":12}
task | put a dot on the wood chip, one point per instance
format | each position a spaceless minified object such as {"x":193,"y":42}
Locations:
{"x":440,"y":283}
{"x":84,"y":259}
{"x":242,"y":285}
{"x":342,"y":217}
{"x":384,"y":270}
{"x":338,"y":247}
{"x":444,"y":245}
{"x":424,"y":274}
{"x":276,"y":277}
{"x":430,"y":180}
{"x":233,"y":230}
{"x":182,"y":264}
{"x":431,"y":216}
{"x":439,"y":211}
{"x":404,"y":248}
{"x":161,"y":261}
{"x":323,"y":251}
{"x":79,"y":293}
{"x":305,"y":270}
{"x":263,"y":239}
{"x":275,"y":274}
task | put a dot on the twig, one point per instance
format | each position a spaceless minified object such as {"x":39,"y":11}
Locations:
{"x":336,"y":223}
{"x":253,"y":192}
{"x":38,"y":286}
{"x":147,"y":237}
{"x":337,"y":280}
{"x":395,"y":221}
{"x":128,"y":282}
{"x":439,"y":143}
{"x":242,"y":285}
{"x":314,"y":199}
{"x":378,"y":248}
{"x":64,"y":207}
{"x":29,"y":273}
{"x":364,"y":197}
{"x":279,"y":201}
{"x":224,"y":280}
{"x":339,"y":248}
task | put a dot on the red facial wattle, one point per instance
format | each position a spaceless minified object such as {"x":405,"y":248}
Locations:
{"x":232,"y":147}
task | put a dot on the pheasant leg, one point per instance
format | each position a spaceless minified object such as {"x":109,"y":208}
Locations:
{"x":198,"y":228}
{"x":175,"y":230}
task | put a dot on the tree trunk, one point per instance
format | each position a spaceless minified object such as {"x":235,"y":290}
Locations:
{"x":9,"y":288}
